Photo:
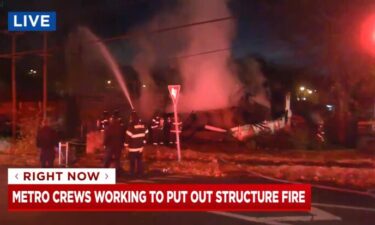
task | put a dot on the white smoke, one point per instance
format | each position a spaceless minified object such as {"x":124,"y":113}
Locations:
{"x":254,"y":81}
{"x":207,"y":82}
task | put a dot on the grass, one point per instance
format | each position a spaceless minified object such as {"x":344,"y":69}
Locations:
{"x":344,"y":168}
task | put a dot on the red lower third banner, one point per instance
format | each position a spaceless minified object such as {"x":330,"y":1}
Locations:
{"x":160,"y":197}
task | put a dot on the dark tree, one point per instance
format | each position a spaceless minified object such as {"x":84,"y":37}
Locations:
{"x":327,"y":34}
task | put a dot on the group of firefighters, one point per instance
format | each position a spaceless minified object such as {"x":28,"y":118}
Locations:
{"x":133,"y":136}
{"x":117,"y":135}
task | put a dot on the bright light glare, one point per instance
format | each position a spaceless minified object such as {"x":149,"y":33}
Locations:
{"x":31,"y":72}
{"x":302,"y":88}
{"x":329,"y":107}
{"x":367,"y":34}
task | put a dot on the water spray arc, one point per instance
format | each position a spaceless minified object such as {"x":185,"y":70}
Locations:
{"x":111,"y":63}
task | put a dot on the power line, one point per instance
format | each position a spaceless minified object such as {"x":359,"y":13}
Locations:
{"x":127,"y":36}
{"x":203,"y":53}
{"x":162,"y":30}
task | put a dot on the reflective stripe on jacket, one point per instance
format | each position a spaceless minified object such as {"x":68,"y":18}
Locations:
{"x":136,"y":137}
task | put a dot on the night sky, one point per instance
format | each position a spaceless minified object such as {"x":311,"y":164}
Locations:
{"x":286,"y":32}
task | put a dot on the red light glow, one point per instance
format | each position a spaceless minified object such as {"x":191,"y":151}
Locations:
{"x":368,"y":35}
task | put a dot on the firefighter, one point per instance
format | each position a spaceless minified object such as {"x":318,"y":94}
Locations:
{"x":135,"y":141}
{"x":116,"y":116}
{"x":157,"y":126}
{"x":161,"y":131}
{"x":114,"y":139}
{"x":46,"y":141}
{"x":167,"y":128}
{"x":103,"y":122}
{"x":173,"y":131}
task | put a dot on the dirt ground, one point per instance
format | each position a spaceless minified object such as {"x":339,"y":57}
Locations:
{"x":340,"y":167}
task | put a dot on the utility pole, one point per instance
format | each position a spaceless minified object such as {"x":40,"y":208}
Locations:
{"x":45,"y":55}
{"x":13,"y":57}
{"x":288,"y":110}
{"x":45,"y":97}
{"x":14,"y":90}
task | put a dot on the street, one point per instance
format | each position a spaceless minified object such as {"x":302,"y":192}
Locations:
{"x":329,"y":207}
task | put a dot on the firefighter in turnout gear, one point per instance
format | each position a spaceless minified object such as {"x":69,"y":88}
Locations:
{"x":116,"y":116}
{"x":135,"y":141}
{"x":157,"y":125}
{"x":167,"y":128}
{"x":172,"y":134}
{"x":103,"y":122}
{"x":46,"y":141}
{"x":113,"y":141}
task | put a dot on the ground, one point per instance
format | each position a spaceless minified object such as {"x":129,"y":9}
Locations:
{"x":341,"y":191}
{"x":346,"y":168}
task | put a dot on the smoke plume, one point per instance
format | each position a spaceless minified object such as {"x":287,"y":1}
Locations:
{"x":207,"y":82}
